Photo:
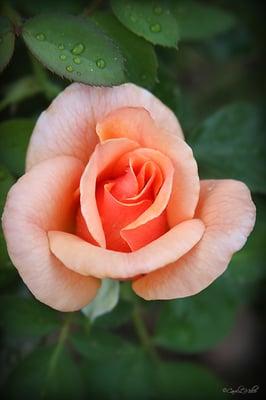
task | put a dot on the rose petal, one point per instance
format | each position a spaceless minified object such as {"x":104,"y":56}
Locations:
{"x":40,"y":201}
{"x":115,"y":215}
{"x":227,"y":210}
{"x":102,"y":159}
{"x":67,"y":127}
{"x":86,"y":259}
{"x":136,"y":124}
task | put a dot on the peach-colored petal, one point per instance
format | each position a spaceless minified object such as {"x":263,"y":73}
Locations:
{"x":67,"y":127}
{"x":86,"y":259}
{"x":227,"y":210}
{"x":136,"y":124}
{"x":40,"y":201}
{"x":115,"y":215}
{"x":102,"y":159}
{"x":144,"y":234}
{"x":161,"y":201}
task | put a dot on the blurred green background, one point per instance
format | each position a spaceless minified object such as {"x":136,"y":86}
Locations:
{"x":193,"y":348}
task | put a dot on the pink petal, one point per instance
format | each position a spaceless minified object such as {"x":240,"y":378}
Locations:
{"x":87,"y":259}
{"x":43,"y":199}
{"x":227,"y":210}
{"x":67,"y":127}
{"x":136,"y":124}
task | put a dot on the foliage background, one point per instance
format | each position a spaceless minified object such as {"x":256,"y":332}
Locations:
{"x":215,"y":83}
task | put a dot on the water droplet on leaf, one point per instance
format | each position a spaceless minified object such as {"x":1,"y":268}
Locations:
{"x":100,"y":63}
{"x":40,"y":36}
{"x":155,"y":28}
{"x":78,"y":49}
{"x":62,"y":57}
{"x":61,"y":46}
{"x":157,"y":10}
{"x":69,"y":68}
{"x":76,"y":60}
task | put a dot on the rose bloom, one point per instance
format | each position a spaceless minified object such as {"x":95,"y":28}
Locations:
{"x":112,"y":190}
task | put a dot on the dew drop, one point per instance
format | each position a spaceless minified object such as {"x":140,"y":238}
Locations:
{"x":155,"y":28}
{"x":61,"y":46}
{"x":62,"y":57}
{"x":76,"y":60}
{"x":78,"y":49}
{"x":69,"y":68}
{"x":157,"y":10}
{"x":100,"y":63}
{"x":91,"y":69}
{"x":40,"y":36}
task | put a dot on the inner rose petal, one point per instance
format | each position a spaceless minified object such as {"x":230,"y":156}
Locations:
{"x":130,"y":193}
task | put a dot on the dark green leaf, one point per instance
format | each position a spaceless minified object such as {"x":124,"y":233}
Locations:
{"x":74,"y":48}
{"x":230,"y":144}
{"x":152,"y":20}
{"x":187,"y":381}
{"x":26,"y":316}
{"x":20,"y":90}
{"x":106,"y":299}
{"x":45,"y":374}
{"x":116,"y":370}
{"x":199,"y":21}
{"x":7,"y":42}
{"x":6,"y":181}
{"x":14,"y":139}
{"x":120,"y":315}
{"x":101,"y":346}
{"x":193,"y":324}
{"x":247,"y":268}
{"x":34,"y":7}
{"x":140,"y":57}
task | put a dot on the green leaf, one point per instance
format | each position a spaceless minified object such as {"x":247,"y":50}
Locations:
{"x":14,"y":139}
{"x":192,"y":324}
{"x":38,"y":377}
{"x":34,"y":7}
{"x":26,"y":317}
{"x":247,"y":268}
{"x":74,"y":48}
{"x":152,"y":20}
{"x":116,"y":369}
{"x":140,"y":57}
{"x":119,"y":316}
{"x":187,"y":381}
{"x":7,"y":42}
{"x":100,"y":346}
{"x":6,"y":181}
{"x":20,"y":90}
{"x":128,"y":374}
{"x":198,"y":21}
{"x":106,"y":299}
{"x":230,"y":144}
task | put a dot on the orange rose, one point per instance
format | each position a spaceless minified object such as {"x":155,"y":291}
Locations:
{"x":112,"y":191}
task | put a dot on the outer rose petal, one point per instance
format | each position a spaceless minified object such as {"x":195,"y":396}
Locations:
{"x":67,"y":127}
{"x":227,"y":210}
{"x":87,"y":259}
{"x":136,"y":124}
{"x":38,"y":202}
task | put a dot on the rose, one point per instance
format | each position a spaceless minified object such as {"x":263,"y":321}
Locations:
{"x":112,"y":191}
